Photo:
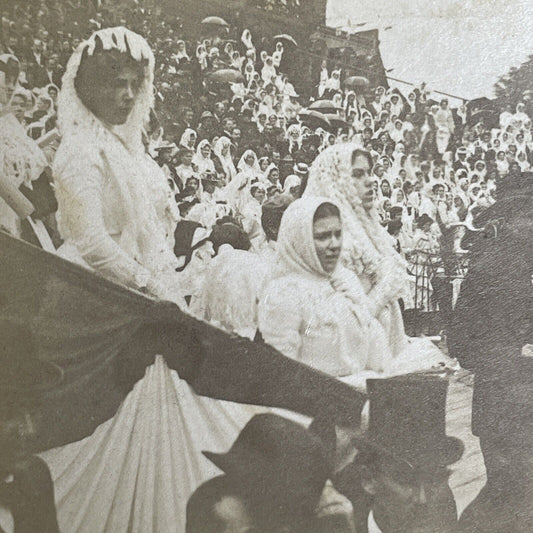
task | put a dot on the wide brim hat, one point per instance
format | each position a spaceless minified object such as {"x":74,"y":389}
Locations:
{"x":277,"y":459}
{"x":407,"y":421}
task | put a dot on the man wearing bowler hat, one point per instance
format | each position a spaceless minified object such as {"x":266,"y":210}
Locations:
{"x":26,"y":488}
{"x":401,"y":471}
{"x":276,"y":480}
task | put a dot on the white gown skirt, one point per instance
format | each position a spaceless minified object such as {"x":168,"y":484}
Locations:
{"x":136,"y":472}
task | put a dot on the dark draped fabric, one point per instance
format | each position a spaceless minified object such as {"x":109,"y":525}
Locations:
{"x":104,"y":335}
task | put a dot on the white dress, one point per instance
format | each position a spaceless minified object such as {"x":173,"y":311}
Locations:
{"x":138,"y":469}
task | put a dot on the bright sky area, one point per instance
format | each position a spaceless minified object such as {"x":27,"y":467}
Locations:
{"x":456,"y":46}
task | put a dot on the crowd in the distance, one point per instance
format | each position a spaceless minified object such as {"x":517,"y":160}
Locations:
{"x":237,"y":145}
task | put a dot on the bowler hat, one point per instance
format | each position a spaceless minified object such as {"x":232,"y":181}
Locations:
{"x":407,"y":418}
{"x":277,"y":460}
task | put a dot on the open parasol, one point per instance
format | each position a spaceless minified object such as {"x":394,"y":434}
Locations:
{"x":324,"y":106}
{"x":226,"y":75}
{"x":285,"y":37}
{"x":215,"y":21}
{"x":356,"y":81}
{"x":336,"y":121}
{"x":314,"y":119}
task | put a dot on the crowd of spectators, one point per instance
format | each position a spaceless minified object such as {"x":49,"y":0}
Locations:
{"x":233,"y":135}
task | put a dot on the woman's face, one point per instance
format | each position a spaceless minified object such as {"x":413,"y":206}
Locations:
{"x":114,"y":101}
{"x":52,"y":92}
{"x":260,"y":195}
{"x":400,"y":196}
{"x":274,"y":175}
{"x":18,"y":106}
{"x":264,"y":164}
{"x":386,"y":205}
{"x":186,"y":159}
{"x":385,"y":187}
{"x":205,"y":150}
{"x":192,"y":183}
{"x":249,"y":160}
{"x":379,"y":171}
{"x":397,"y":183}
{"x":327,"y":236}
{"x":362,"y":181}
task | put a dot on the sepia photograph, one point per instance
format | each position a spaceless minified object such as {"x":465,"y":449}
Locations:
{"x":266,"y":266}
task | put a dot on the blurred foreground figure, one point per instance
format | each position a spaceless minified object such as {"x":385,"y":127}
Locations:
{"x":398,"y":482}
{"x":26,"y":488}
{"x":493,"y":325}
{"x":276,"y":479}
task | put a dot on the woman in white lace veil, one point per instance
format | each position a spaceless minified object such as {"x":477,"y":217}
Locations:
{"x":138,"y":469}
{"x":116,"y":212}
{"x":368,"y":249}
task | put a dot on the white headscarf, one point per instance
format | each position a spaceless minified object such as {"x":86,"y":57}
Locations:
{"x":244,"y":167}
{"x":188,"y":139}
{"x":368,"y":249}
{"x":225,"y":160}
{"x":203,"y":164}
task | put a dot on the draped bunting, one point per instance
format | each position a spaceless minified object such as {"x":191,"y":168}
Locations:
{"x":104,"y":336}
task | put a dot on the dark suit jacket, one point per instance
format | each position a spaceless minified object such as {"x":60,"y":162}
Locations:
{"x":491,"y":323}
{"x":30,"y":497}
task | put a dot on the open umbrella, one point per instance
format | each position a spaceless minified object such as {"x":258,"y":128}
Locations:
{"x":314,"y":119}
{"x":324,"y":106}
{"x":285,"y":37}
{"x":356,"y":81}
{"x":226,"y":75}
{"x":215,"y":21}
{"x":336,"y":121}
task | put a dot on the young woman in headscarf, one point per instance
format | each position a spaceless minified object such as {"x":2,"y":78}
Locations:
{"x":224,"y":162}
{"x":115,"y":214}
{"x":202,"y":160}
{"x":342,"y":173}
{"x":316,"y":311}
{"x":188,"y":139}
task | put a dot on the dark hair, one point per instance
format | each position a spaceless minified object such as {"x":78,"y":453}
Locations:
{"x":326,"y":210}
{"x":100,"y":69}
{"x":229,"y":234}
{"x":358,"y":152}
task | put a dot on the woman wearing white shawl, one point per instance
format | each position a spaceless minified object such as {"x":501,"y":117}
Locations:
{"x":412,"y":167}
{"x":316,"y":311}
{"x":317,"y":316}
{"x":342,"y":174}
{"x":237,"y":191}
{"x":249,"y":164}
{"x":188,"y":139}
{"x":520,"y":117}
{"x":202,"y":159}
{"x":294,"y":137}
{"x":334,"y":82}
{"x":223,"y":153}
{"x":114,"y":211}
{"x":181,"y":52}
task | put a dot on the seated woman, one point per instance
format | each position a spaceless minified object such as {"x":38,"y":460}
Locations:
{"x":317,"y":311}
{"x":342,"y":173}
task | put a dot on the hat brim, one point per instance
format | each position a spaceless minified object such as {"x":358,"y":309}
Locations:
{"x":442,"y":454}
